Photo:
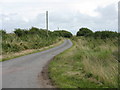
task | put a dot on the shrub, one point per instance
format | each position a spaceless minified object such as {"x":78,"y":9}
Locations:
{"x":105,"y":34}
{"x":63,"y":33}
{"x":19,"y":32}
{"x":2,"y":32}
{"x":34,"y":30}
{"x":84,"y":32}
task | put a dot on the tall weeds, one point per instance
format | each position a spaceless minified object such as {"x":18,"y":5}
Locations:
{"x":99,"y":59}
{"x":14,"y":43}
{"x":90,"y":63}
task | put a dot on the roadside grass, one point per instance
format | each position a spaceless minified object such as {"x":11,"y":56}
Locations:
{"x":13,"y":43}
{"x":89,"y":63}
{"x":12,"y":55}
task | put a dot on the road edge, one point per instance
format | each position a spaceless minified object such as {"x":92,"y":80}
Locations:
{"x":44,"y":74}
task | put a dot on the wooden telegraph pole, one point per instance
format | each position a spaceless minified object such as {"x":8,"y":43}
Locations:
{"x":47,"y":23}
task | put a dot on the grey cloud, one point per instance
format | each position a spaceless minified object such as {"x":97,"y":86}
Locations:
{"x":69,"y":20}
{"x":74,"y":20}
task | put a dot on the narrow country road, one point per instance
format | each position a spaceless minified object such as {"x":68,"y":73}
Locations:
{"x":23,"y":72}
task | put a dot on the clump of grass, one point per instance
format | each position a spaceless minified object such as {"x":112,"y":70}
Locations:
{"x":90,"y":63}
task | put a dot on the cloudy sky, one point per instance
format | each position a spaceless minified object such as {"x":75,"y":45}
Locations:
{"x":66,"y":14}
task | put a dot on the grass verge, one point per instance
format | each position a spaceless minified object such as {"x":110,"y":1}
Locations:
{"x":28,"y":51}
{"x":89,"y":63}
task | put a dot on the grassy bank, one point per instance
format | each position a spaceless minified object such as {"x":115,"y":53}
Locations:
{"x":23,"y":42}
{"x":29,"y":51}
{"x":33,"y":38}
{"x":14,"y":43}
{"x":90,"y":63}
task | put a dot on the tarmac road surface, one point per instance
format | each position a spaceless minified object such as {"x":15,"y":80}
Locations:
{"x":23,"y":72}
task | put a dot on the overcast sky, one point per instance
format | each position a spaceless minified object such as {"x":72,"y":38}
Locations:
{"x":68,"y":15}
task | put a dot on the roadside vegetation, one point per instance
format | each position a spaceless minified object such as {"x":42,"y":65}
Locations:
{"x":92,"y":62}
{"x":32,"y":39}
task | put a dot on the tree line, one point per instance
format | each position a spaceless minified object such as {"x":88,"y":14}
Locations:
{"x":64,"y":33}
{"x":98,"y":34}
{"x":41,"y":32}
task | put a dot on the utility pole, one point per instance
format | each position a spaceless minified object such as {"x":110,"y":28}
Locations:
{"x":58,"y":28}
{"x":47,"y":22}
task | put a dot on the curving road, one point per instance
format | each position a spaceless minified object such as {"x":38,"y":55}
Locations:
{"x":23,"y":72}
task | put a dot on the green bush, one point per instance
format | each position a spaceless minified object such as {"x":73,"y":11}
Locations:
{"x":19,"y":32}
{"x":84,"y":32}
{"x":98,"y":34}
{"x":2,"y":32}
{"x":63,"y":33}
{"x":105,"y":34}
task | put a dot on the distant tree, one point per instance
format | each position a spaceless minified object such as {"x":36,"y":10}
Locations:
{"x":2,"y":32}
{"x":34,"y":30}
{"x":119,"y":35}
{"x":84,"y":32}
{"x":25,"y":32}
{"x":18,"y":32}
{"x":105,"y":34}
{"x":63,"y":33}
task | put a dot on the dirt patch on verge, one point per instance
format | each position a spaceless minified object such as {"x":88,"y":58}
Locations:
{"x":44,"y":78}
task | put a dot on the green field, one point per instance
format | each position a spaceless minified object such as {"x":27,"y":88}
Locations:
{"x":90,"y":63}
